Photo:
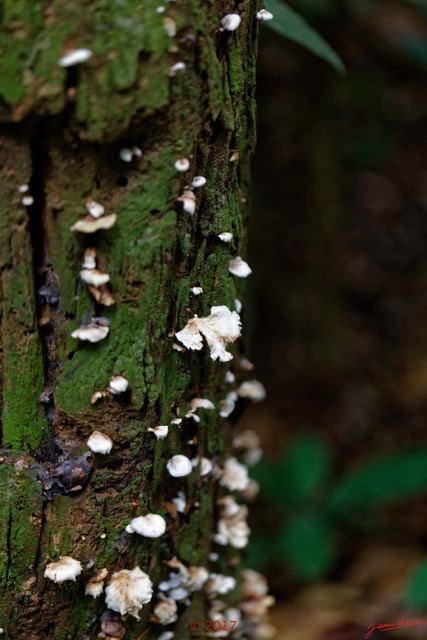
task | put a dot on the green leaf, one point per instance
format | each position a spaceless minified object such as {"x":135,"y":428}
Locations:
{"x":396,"y":477}
{"x":290,"y":24}
{"x":415,"y":593}
{"x":308,"y":546}
{"x":299,"y":474}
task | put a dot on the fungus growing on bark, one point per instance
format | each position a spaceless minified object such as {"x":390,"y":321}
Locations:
{"x":220,"y":328}
{"x":27,"y":201}
{"x":220,"y":584}
{"x":237,"y":305}
{"x":117,"y":384}
{"x":206,"y":465}
{"x":23,"y":188}
{"x":196,"y":291}
{"x":74,"y":56}
{"x":252,"y":389}
{"x":166,"y":610}
{"x":234,"y":476}
{"x":239,"y":267}
{"x":94,"y":277}
{"x":89,"y":259}
{"x":161,"y":431}
{"x":182,"y":164}
{"x":264,"y":15}
{"x":188,"y":200}
{"x":125,"y":155}
{"x":99,"y":442}
{"x":233,"y":528}
{"x":231,"y":21}
{"x":128,"y":591}
{"x":179,"y":466}
{"x":149,"y":526}
{"x":95,"y":586}
{"x":90,"y":225}
{"x":94,"y":209}
{"x":169,"y":25}
{"x":66,"y":568}
{"x":230,"y":377}
{"x":178,"y":66}
{"x":225,"y":236}
{"x":92,"y":332}
{"x":102,"y":295}
{"x":198,"y":181}
{"x":228,"y":405}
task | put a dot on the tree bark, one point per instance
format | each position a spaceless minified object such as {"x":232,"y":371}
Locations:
{"x":61,"y":133}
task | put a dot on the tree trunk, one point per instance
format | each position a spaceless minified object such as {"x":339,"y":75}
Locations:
{"x":62,"y":132}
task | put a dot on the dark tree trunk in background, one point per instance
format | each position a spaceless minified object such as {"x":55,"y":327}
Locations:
{"x":62,"y":131}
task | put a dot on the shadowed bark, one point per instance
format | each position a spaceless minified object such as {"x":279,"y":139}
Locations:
{"x":61,"y":133}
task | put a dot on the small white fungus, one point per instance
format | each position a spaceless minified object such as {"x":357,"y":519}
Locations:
{"x":160,"y":9}
{"x":128,"y":591}
{"x":252,"y":389}
{"x":166,"y":610}
{"x":90,"y":225}
{"x":180,"y":502}
{"x":27,"y":201}
{"x":182,"y":164}
{"x":264,"y":15}
{"x":228,"y":405}
{"x":74,"y":56}
{"x":220,"y":584}
{"x":126,"y":155}
{"x":169,"y":25}
{"x":225,"y":236}
{"x":117,"y":384}
{"x":231,"y":21}
{"x":188,"y":200}
{"x":65,"y":569}
{"x":99,"y":442}
{"x":160,"y":431}
{"x":237,"y":305}
{"x":206,"y":465}
{"x":23,"y":188}
{"x":239,"y":267}
{"x":94,"y":277}
{"x":89,"y":259}
{"x":234,"y":475}
{"x":220,"y":328}
{"x":230,"y":377}
{"x":178,"y":66}
{"x":149,"y":526}
{"x":91,"y":332}
{"x":176,"y":421}
{"x":198,"y":181}
{"x":179,"y":466}
{"x":196,"y":291}
{"x":94,"y":209}
{"x":95,"y":586}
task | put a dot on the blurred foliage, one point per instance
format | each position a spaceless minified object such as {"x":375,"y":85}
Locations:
{"x":290,"y":24}
{"x":316,"y":505}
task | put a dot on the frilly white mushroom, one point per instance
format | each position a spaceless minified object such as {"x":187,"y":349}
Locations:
{"x":66,"y":568}
{"x":90,"y":225}
{"x":179,"y":466}
{"x":221,"y":584}
{"x":149,"y":526}
{"x":220,"y":328}
{"x":99,"y":442}
{"x":161,"y":431}
{"x":166,"y":610}
{"x":228,"y":405}
{"x":180,"y":502}
{"x":102,"y":295}
{"x":176,"y":421}
{"x":117,"y":384}
{"x":234,"y":475}
{"x":74,"y":56}
{"x":225,"y":236}
{"x":239,"y":267}
{"x":231,"y":21}
{"x":128,"y":591}
{"x":182,"y":164}
{"x":94,"y":277}
{"x":95,"y":586}
{"x":206,"y":465}
{"x":252,"y":389}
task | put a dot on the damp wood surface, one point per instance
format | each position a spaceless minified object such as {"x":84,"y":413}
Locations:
{"x":61,"y":132}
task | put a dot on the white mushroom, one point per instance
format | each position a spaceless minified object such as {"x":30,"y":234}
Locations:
{"x":27,"y":201}
{"x":231,"y":21}
{"x":206,"y":465}
{"x":264,"y":15}
{"x":220,"y":328}
{"x":180,"y":502}
{"x":65,"y":569}
{"x":90,"y":225}
{"x":188,"y":200}
{"x":94,"y":209}
{"x":169,"y":25}
{"x":128,"y":591}
{"x":117,"y":384}
{"x":89,"y":259}
{"x":221,"y":584}
{"x":234,"y":475}
{"x":126,"y":155}
{"x":91,"y":332}
{"x":252,"y":389}
{"x":198,"y":181}
{"x":228,"y":405}
{"x":182,"y":164}
{"x":166,"y":610}
{"x":94,"y":277}
{"x":23,"y":188}
{"x":179,"y":466}
{"x":99,"y":442}
{"x":237,"y":305}
{"x":178,"y":66}
{"x":161,"y":431}
{"x":95,"y":586}
{"x":225,"y":236}
{"x":239,"y":267}
{"x":74,"y":56}
{"x":196,"y":291}
{"x":149,"y":526}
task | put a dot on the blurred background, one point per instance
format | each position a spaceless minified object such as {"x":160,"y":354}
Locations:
{"x":338,"y":301}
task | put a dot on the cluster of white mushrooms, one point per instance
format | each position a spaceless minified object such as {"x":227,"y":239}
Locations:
{"x":128,"y":591}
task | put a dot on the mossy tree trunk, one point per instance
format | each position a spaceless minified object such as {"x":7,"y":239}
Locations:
{"x":61,"y":132}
